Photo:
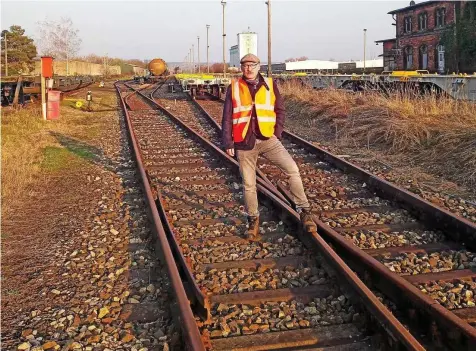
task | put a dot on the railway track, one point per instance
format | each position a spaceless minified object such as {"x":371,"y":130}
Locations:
{"x":288,"y":290}
{"x":420,"y":257}
{"x":425,"y":248}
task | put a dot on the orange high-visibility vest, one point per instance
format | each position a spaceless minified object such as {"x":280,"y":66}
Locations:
{"x":243,"y":108}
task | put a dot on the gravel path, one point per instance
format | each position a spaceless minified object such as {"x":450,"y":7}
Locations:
{"x":452,"y":295}
{"x":416,"y":263}
{"x":241,"y":319}
{"x":236,"y":280}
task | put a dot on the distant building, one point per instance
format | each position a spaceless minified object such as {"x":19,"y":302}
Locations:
{"x":321,"y":66}
{"x":275,"y":67}
{"x":247,"y":44}
{"x":311,"y":66}
{"x":234,"y":56}
{"x":127,"y":68}
{"x":80,"y":68}
{"x":419,"y":32}
{"x":389,"y":54}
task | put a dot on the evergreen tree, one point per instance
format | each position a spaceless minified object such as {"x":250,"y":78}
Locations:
{"x":20,"y":51}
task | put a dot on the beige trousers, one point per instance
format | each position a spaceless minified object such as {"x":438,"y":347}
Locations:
{"x":274,"y":151}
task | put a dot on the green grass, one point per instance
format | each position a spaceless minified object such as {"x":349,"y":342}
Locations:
{"x":58,"y":158}
{"x":82,"y":152}
{"x":55,"y":158}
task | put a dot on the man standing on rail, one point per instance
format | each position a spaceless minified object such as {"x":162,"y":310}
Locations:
{"x":253,"y":121}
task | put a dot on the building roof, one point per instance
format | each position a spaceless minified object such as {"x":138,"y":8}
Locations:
{"x":385,"y":40}
{"x":412,"y":7}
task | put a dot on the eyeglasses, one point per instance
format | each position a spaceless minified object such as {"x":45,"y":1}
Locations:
{"x":251,"y":65}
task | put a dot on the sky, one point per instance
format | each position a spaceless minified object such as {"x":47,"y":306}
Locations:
{"x":146,"y":29}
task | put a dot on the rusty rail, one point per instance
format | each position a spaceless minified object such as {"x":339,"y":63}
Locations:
{"x":187,"y":323}
{"x":392,"y":284}
{"x":401,"y":338}
{"x":419,"y":307}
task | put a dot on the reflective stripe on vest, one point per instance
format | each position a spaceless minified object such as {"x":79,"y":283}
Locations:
{"x":243,"y":108}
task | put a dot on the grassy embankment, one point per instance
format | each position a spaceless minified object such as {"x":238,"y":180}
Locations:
{"x":33,"y":149}
{"x":434,"y":132}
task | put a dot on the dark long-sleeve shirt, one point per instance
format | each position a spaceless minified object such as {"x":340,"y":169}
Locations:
{"x":253,"y":131}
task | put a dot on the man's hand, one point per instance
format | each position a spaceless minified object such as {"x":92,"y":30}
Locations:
{"x":230,"y":152}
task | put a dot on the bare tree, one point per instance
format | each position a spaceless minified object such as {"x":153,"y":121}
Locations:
{"x":59,"y":39}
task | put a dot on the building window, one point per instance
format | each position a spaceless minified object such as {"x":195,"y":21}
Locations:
{"x":423,"y":57}
{"x":440,"y":17}
{"x":422,"y":21}
{"x":440,"y":58}
{"x":408,"y":24}
{"x":408,"y":57}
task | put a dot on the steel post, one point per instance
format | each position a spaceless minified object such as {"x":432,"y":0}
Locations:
{"x":224,"y":36}
{"x":365,"y":44}
{"x":198,"y":53}
{"x":208,"y":47}
{"x":269,"y":37}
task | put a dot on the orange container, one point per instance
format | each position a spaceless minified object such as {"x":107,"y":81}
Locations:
{"x":53,"y":105}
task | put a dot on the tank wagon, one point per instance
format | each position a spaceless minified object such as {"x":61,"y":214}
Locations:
{"x":158,"y":69}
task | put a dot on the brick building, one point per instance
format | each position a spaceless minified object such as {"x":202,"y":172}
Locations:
{"x":419,"y":29}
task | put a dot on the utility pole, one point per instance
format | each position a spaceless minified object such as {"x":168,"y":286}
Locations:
{"x":43,"y":91}
{"x":208,"y":47}
{"x":223,"y":2}
{"x":269,"y":37}
{"x":193,"y":58}
{"x":6,"y":56}
{"x":198,"y":53}
{"x":365,"y":44}
{"x":190,"y":60}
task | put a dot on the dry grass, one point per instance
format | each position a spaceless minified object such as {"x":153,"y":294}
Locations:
{"x":23,"y":138}
{"x":439,"y":133}
{"x":33,"y":149}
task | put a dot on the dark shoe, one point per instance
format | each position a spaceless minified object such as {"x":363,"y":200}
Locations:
{"x":307,"y":221}
{"x":253,"y":228}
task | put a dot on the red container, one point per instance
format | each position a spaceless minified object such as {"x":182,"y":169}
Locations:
{"x":53,"y":105}
{"x":47,"y":66}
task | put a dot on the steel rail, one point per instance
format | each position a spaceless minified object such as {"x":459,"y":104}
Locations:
{"x":427,"y":212}
{"x":419,"y":307}
{"x":186,"y":318}
{"x":393,"y":284}
{"x":399,"y":334}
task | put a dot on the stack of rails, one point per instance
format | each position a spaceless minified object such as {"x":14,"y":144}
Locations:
{"x":278,"y":292}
